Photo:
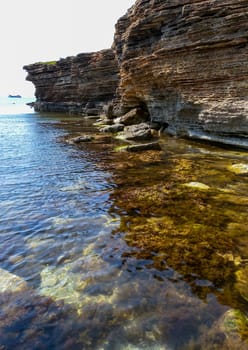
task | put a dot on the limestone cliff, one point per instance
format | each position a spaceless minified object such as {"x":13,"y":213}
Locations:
{"x":183,"y":61}
{"x":187,"y":62}
{"x":81,"y":84}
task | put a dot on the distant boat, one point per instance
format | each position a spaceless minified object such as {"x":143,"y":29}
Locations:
{"x":14,"y":96}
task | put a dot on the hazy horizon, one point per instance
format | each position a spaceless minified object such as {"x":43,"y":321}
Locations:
{"x":49,"y":31}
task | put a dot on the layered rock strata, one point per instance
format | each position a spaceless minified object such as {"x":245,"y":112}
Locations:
{"x":82,"y":84}
{"x":183,"y":62}
{"x":186,"y":61}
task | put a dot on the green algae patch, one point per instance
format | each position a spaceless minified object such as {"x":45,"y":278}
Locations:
{"x":188,"y":249}
{"x":49,"y":63}
{"x":120,"y":148}
{"x":241,"y":284}
{"x":184,"y":214}
{"x":100,"y":124}
{"x":235,"y":324}
{"x":235,"y":321}
{"x":168,"y":215}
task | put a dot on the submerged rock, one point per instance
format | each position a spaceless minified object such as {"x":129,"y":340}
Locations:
{"x":143,"y":147}
{"x":72,"y":282}
{"x":235,"y":325}
{"x":197,"y":185}
{"x":11,"y":283}
{"x":60,"y":284}
{"x":239,"y":168}
{"x":83,"y":138}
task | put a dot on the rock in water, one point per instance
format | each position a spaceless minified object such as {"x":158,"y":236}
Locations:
{"x":137,"y":132}
{"x":153,"y":146}
{"x":80,"y":139}
{"x":113,"y":128}
{"x":11,"y":283}
{"x":135,"y":116}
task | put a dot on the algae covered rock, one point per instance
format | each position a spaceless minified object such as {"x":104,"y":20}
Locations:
{"x":234,"y":324}
{"x":241,"y":284}
{"x":234,"y":321}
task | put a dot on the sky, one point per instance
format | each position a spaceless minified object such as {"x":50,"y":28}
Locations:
{"x":33,"y":31}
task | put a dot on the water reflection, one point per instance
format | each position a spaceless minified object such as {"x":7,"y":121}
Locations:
{"x":118,"y":250}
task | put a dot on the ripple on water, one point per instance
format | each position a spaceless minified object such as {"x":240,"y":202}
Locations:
{"x":119,"y":253}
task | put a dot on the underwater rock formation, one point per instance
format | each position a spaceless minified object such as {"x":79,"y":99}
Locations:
{"x":11,"y":283}
{"x":81,"y":84}
{"x":182,"y":62}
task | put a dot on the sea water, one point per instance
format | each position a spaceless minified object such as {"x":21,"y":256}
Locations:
{"x":101,"y":249}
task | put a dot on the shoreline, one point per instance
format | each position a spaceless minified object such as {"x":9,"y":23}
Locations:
{"x":151,"y":134}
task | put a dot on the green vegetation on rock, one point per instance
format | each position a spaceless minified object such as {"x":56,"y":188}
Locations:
{"x":49,"y":63}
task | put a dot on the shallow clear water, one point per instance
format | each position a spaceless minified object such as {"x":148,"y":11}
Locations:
{"x":109,"y":250}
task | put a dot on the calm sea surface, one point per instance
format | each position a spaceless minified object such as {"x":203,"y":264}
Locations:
{"x":103,"y":249}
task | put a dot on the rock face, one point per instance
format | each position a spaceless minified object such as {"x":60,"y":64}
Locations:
{"x":186,"y":61}
{"x":81,"y":84}
{"x":183,"y":62}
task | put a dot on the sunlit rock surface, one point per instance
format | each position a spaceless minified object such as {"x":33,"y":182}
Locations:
{"x":239,"y":168}
{"x":186,"y":62}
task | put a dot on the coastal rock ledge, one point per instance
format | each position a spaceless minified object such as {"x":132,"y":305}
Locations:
{"x":184,"y":62}
{"x":82,"y":84}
